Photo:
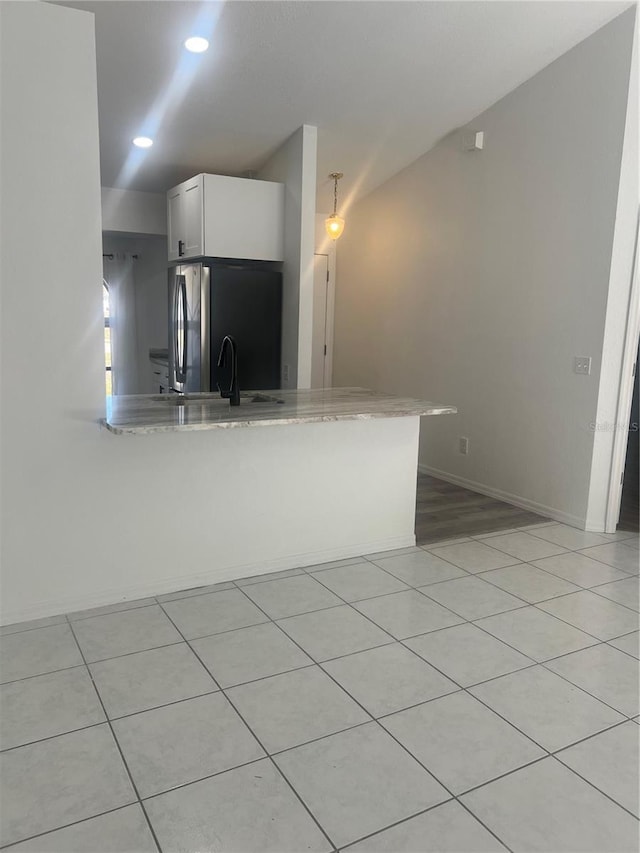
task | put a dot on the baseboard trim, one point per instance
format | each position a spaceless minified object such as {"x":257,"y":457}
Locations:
{"x":507,"y":497}
{"x":69,"y":604}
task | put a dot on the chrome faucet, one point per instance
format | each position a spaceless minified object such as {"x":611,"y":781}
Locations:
{"x":233,"y":394}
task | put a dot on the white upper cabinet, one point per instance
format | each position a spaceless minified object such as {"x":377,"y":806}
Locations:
{"x":221,"y":217}
{"x":184,"y":219}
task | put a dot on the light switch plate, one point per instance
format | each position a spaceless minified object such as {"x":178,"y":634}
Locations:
{"x":582,"y":364}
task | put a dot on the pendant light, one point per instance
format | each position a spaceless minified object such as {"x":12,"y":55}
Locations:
{"x":334,"y":223}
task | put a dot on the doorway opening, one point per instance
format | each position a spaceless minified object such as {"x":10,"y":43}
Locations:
{"x":629,"y":504}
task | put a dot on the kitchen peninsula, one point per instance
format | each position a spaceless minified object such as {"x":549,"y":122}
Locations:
{"x":289,"y":478}
{"x":145,"y":414}
{"x":203,"y":493}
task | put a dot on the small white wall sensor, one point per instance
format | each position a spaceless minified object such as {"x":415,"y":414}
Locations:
{"x":474,"y":140}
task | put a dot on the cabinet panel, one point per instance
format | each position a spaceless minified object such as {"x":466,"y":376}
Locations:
{"x":192,"y":218}
{"x":243,"y":218}
{"x":174,"y":221}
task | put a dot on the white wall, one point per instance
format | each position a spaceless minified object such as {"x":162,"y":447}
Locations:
{"x":133,"y":211}
{"x":88,"y":517}
{"x":473,"y":278}
{"x":324,"y":245}
{"x":294,"y":165}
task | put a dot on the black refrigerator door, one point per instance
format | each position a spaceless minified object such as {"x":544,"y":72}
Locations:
{"x":246,"y":303}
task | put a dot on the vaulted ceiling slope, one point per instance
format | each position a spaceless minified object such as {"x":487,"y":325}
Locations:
{"x":382,"y":81}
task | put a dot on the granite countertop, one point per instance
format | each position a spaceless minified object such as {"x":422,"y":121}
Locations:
{"x":171,"y":413}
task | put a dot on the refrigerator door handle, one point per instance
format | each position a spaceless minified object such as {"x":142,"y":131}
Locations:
{"x":180,"y":331}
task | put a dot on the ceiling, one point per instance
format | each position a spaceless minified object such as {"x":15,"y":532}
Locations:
{"x":382,"y":81}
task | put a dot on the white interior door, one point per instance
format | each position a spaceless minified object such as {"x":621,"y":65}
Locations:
{"x":319,"y":337}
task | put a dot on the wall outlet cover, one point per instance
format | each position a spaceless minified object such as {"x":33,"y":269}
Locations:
{"x":463,"y":445}
{"x":582,"y":364}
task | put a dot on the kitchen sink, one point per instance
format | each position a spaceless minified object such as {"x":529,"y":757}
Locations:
{"x":188,"y":399}
{"x":260,"y":398}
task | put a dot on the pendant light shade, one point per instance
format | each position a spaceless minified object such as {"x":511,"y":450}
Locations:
{"x":334,"y":223}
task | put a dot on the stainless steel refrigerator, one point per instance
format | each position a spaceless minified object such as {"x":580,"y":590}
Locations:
{"x":210,"y":299}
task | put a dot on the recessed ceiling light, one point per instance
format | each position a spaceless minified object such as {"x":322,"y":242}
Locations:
{"x":143,"y":142}
{"x":196,"y":44}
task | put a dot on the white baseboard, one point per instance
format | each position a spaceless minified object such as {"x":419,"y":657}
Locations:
{"x":69,"y":604}
{"x":507,"y":497}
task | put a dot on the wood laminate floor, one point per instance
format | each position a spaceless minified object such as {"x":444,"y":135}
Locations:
{"x":445,"y":511}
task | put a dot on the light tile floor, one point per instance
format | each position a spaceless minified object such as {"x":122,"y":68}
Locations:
{"x":477,"y":695}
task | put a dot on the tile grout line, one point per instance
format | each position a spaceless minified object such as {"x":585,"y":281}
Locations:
{"x":590,"y":737}
{"x":7,"y":749}
{"x":66,"y":826}
{"x":535,"y":662}
{"x":584,"y":690}
{"x":492,"y":710}
{"x":551,"y":542}
{"x":559,"y":554}
{"x":188,"y":784}
{"x":547,"y":660}
{"x":40,"y":674}
{"x":393,"y":825}
{"x":393,"y":639}
{"x":321,"y":665}
{"x":459,"y":688}
{"x":473,"y":574}
{"x":592,"y":784}
{"x":305,"y":569}
{"x":477,"y":574}
{"x":629,"y":654}
{"x":343,"y":601}
{"x":552,"y":574}
{"x":339,"y":657}
{"x":117,"y":744}
{"x":111,"y":612}
{"x":575,"y":627}
{"x":587,"y":589}
{"x":257,"y":739}
{"x":382,"y":728}
{"x":538,"y":663}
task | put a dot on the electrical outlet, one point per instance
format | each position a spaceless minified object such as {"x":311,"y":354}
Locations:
{"x":285,"y":372}
{"x":464,"y":445}
{"x":582,"y":364}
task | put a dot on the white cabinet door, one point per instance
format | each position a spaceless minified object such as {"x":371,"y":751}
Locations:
{"x":175,"y":221}
{"x":243,"y":218}
{"x":192,"y":218}
{"x":184,"y":220}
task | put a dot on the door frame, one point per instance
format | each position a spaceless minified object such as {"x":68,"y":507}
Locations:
{"x":623,"y":413}
{"x":324,"y":245}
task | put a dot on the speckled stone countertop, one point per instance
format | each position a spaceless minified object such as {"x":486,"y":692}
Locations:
{"x":171,"y":413}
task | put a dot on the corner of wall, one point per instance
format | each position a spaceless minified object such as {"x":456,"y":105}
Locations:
{"x":294,"y":165}
{"x":130,"y":211}
{"x":307,"y":250}
{"x":621,"y":325}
